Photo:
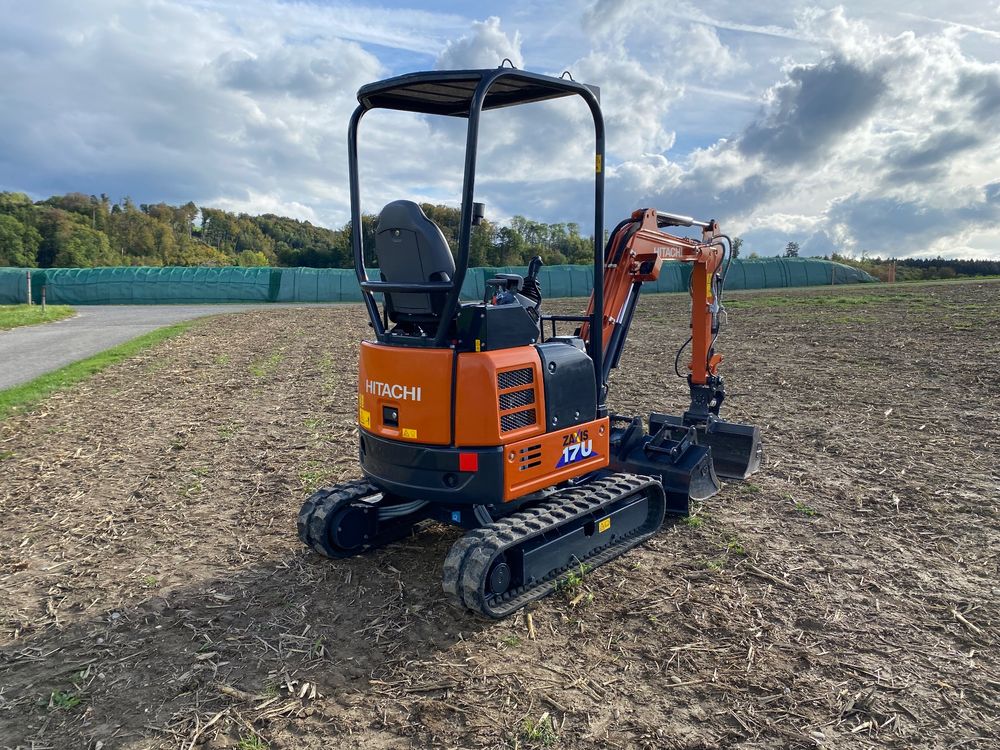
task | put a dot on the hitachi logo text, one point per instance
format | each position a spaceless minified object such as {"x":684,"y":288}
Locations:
{"x":388,"y":390}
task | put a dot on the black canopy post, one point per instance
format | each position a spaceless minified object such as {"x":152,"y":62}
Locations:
{"x":356,"y":234}
{"x":465,"y":224}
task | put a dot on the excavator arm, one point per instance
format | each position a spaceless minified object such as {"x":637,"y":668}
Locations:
{"x":636,"y":253}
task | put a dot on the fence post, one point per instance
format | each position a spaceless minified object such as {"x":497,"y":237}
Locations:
{"x":43,"y":299}
{"x":29,"y":287}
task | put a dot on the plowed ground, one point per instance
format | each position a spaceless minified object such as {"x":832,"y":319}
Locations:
{"x":153,"y":593}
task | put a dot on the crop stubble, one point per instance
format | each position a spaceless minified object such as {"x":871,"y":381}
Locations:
{"x":154,"y":593}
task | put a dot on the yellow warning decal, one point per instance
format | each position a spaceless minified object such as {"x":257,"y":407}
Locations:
{"x":361,"y":401}
{"x":603,"y":525}
{"x":708,"y":287}
{"x":408,"y":433}
{"x":365,"y":418}
{"x":597,"y":162}
{"x":479,"y":345}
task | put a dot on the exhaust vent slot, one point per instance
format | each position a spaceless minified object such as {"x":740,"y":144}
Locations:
{"x":517,"y":399}
{"x":514,"y":378}
{"x":517,"y":420}
{"x":530,"y":457}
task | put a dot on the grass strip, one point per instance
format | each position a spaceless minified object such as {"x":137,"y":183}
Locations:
{"x":13,"y":316}
{"x":818,"y":300}
{"x":24,"y":396}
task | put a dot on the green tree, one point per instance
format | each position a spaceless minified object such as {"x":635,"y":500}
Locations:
{"x":196,"y":253}
{"x":737,"y":245}
{"x":792,"y":250}
{"x":252,"y":259}
{"x":12,"y":201}
{"x":18,"y":243}
{"x":483,"y":238}
{"x":79,"y":246}
{"x":509,"y":249}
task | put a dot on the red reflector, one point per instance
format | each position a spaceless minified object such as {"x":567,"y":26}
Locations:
{"x":468,"y":462}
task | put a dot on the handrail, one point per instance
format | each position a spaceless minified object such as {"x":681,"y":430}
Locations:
{"x":408,"y":286}
{"x":568,"y":318}
{"x":356,"y":243}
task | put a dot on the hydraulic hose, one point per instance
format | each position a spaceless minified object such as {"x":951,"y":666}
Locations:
{"x":403,"y":509}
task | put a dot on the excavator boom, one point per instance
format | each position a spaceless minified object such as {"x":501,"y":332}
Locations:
{"x":636,"y":252}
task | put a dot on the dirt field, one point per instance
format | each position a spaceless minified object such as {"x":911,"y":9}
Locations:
{"x":153,"y":593}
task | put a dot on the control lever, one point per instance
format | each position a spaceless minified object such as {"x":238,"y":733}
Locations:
{"x":531,"y":290}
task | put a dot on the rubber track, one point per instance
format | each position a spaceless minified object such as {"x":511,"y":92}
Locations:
{"x":470,"y":558}
{"x":323,"y":504}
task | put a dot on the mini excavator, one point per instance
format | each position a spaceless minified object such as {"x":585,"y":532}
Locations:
{"x":483,"y":415}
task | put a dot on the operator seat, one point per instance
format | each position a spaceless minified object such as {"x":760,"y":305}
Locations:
{"x":410,"y":248}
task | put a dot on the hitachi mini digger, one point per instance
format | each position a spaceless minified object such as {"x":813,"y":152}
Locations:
{"x":491,"y":415}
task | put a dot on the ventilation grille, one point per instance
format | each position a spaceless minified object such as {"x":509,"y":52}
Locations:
{"x":531,"y":457}
{"x":517,"y":420}
{"x":514,"y":378}
{"x":517,"y":398}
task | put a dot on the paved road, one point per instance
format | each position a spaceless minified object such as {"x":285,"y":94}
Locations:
{"x":30,"y":351}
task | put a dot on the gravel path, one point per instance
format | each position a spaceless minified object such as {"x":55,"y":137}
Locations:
{"x":30,"y":351}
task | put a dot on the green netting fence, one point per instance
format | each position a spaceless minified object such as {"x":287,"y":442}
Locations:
{"x":144,"y":285}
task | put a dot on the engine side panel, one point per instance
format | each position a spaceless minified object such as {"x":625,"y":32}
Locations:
{"x":499,"y":398}
{"x":545,"y":460}
{"x":570,"y":386}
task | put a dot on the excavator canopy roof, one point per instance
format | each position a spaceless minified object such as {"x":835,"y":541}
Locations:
{"x":450,"y":92}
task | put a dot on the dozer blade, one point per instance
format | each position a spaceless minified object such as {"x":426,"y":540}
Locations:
{"x":684,"y":468}
{"x":736,"y":448}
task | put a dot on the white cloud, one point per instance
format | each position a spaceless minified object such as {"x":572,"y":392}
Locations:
{"x":885,"y":144}
{"x":840,"y":129}
{"x":485,"y":47}
{"x":258,"y":203}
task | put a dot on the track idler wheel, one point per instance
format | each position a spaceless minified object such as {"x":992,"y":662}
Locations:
{"x":344,"y":520}
{"x":499,"y":577}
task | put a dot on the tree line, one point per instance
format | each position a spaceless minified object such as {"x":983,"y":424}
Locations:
{"x":921,"y":269}
{"x":84,"y":231}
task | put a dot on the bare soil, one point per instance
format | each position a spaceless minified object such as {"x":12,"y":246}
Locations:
{"x":153,"y":593}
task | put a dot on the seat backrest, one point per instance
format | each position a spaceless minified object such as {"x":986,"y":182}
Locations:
{"x":410,"y":248}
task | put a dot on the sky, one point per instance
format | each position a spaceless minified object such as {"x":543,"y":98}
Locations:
{"x":863,"y":127}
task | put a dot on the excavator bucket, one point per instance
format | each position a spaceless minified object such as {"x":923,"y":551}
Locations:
{"x":736,"y":448}
{"x":702,"y":479}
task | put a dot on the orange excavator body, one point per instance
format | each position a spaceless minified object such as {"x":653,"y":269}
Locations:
{"x":471,"y":415}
